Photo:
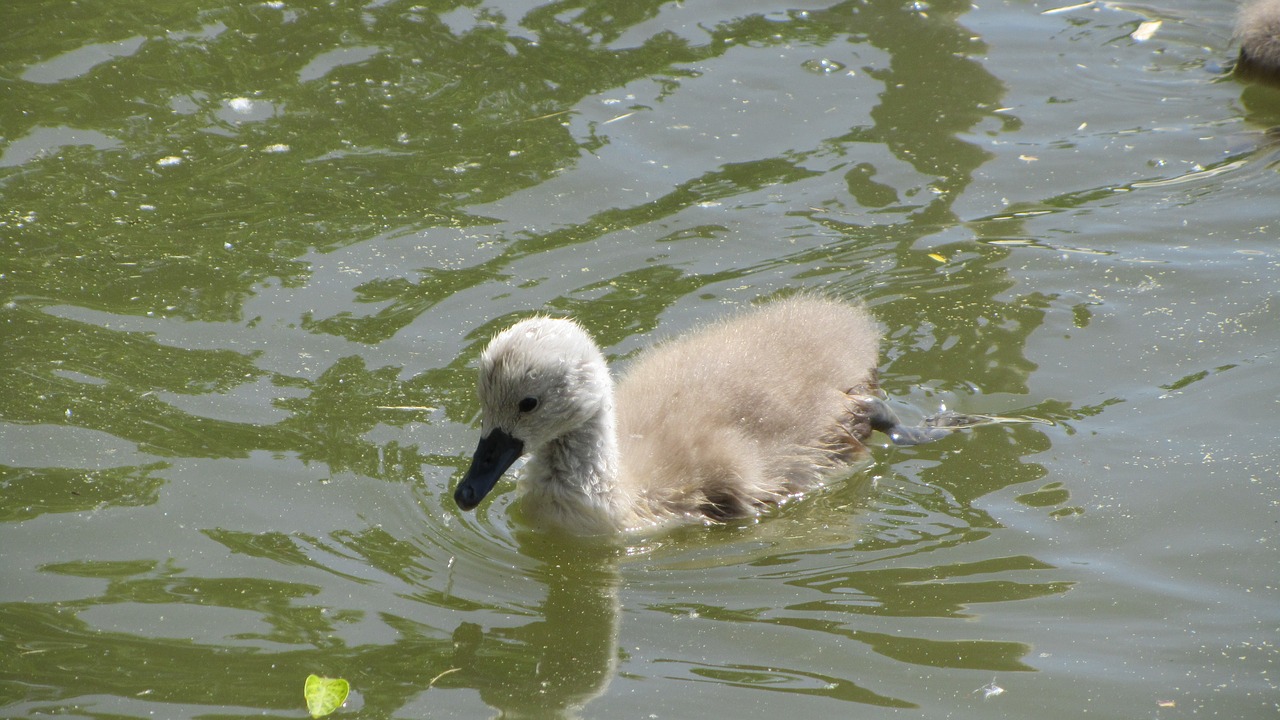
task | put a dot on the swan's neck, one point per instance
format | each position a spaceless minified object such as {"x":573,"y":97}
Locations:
{"x":586,"y":459}
{"x":572,"y":481}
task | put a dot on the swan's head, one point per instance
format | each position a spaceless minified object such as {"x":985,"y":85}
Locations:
{"x":539,"y":380}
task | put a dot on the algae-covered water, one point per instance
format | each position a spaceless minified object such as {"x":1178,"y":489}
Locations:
{"x":250,"y":252}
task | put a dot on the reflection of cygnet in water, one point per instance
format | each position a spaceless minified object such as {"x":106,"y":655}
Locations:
{"x":566,"y":657}
{"x":717,"y":424}
{"x":1258,"y":30}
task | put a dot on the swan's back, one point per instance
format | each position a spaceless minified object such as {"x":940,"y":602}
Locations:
{"x":736,"y":415}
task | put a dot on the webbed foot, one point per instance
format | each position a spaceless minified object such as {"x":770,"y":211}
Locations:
{"x":882,"y":417}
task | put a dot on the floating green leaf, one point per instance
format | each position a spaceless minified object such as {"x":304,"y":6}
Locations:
{"x":324,"y":695}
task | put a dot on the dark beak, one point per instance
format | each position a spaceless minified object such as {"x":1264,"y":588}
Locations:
{"x":494,"y":455}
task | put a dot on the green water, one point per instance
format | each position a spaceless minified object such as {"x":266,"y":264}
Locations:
{"x":250,"y":252}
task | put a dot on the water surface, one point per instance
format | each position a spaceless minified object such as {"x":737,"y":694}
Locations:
{"x":250,"y":252}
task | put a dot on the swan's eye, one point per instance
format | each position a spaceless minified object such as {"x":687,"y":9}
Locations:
{"x":528,"y":404}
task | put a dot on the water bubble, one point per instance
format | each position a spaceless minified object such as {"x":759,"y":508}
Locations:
{"x":823,"y":65}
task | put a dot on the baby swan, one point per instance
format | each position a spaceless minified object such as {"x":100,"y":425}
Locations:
{"x":713,"y":425}
{"x":1258,"y":30}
